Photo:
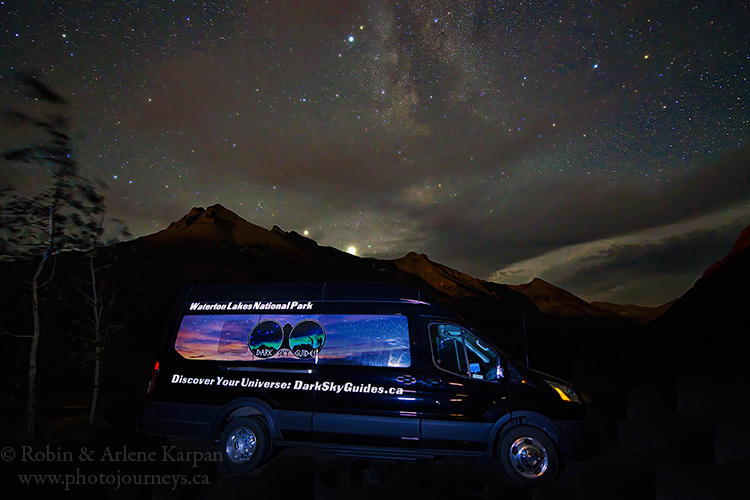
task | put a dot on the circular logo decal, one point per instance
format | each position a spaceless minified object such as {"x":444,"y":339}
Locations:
{"x":265,"y":339}
{"x":307,"y":339}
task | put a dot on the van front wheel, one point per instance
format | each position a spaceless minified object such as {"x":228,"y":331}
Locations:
{"x":244,"y":444}
{"x":528,"y":455}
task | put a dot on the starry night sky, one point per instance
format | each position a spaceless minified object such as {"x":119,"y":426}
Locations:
{"x":602,"y":146}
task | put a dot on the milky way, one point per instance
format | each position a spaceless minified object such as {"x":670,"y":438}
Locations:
{"x":599,"y":145}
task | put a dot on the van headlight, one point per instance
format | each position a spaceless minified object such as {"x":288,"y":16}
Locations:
{"x":565,"y":392}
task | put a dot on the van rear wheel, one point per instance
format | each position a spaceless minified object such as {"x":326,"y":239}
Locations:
{"x":528,"y":455}
{"x":244,"y":444}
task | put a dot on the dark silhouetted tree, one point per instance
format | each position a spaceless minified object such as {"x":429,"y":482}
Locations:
{"x":99,"y":297}
{"x":59,"y":213}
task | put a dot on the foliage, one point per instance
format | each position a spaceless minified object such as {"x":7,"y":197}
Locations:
{"x":61,"y":213}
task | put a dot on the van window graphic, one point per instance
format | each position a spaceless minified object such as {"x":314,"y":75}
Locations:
{"x":214,"y":336}
{"x":234,"y":334}
{"x":266,"y":339}
{"x":370,"y":340}
{"x":307,"y":338}
{"x":304,"y":340}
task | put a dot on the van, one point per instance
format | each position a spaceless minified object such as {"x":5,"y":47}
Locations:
{"x":362,"y":369}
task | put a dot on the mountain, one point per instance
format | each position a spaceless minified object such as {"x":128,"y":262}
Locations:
{"x":441,"y":277}
{"x":219,"y":246}
{"x":553,"y":300}
{"x":708,"y":325}
{"x":740,"y":247}
{"x":722,"y":294}
{"x":220,"y":227}
{"x":641,"y":313}
{"x":215,"y":245}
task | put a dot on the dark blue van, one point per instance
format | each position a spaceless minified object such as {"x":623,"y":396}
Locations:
{"x":362,"y":369}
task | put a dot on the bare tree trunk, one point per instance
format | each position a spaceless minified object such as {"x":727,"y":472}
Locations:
{"x":31,"y":395}
{"x":97,"y":303}
{"x":95,"y":392}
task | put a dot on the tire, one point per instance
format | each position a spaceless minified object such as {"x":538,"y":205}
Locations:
{"x":244,"y":444}
{"x":528,"y":455}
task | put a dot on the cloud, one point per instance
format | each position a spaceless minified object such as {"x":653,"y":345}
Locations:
{"x":655,"y":272}
{"x":669,"y":255}
{"x":647,"y":267}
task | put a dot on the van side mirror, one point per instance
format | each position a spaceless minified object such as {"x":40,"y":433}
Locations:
{"x":500,"y":371}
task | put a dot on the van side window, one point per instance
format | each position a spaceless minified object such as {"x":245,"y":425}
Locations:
{"x":448,"y":348}
{"x":366,"y":340}
{"x":458,"y":351}
{"x":342,"y":339}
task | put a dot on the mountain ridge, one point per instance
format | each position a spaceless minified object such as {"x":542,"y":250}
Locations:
{"x":740,"y":246}
{"x":218,"y":227}
{"x":205,"y":230}
{"x":551,"y":299}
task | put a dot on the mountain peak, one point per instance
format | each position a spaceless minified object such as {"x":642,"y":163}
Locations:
{"x":453,"y":282}
{"x":741,"y":245}
{"x":277,"y":230}
{"x":551,"y":299}
{"x":187,"y":219}
{"x":219,"y":226}
{"x":214,"y":214}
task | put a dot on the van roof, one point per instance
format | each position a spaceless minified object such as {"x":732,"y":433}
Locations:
{"x":318,"y":292}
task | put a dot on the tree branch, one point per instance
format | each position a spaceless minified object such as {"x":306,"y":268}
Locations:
{"x":3,"y":332}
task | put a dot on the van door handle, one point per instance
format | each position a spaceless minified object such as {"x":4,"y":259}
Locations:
{"x":434,"y":381}
{"x":406,"y":379}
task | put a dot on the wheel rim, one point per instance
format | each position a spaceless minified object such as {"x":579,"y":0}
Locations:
{"x":241,"y":445}
{"x":529,"y":457}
